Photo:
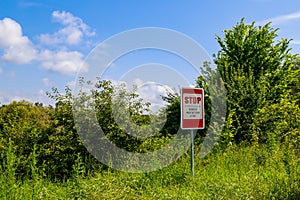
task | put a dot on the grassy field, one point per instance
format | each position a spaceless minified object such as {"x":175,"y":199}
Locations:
{"x":236,"y":173}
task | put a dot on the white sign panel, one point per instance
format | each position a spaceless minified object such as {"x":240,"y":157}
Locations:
{"x":192,"y":107}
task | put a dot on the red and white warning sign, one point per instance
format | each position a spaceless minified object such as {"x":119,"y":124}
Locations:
{"x":192,"y":108}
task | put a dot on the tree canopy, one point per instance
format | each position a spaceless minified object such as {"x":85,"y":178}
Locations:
{"x":258,"y":71}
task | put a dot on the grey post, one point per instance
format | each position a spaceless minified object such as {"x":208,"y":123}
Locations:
{"x":192,"y":152}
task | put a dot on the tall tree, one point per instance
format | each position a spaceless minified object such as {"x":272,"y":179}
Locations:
{"x":256,"y":69}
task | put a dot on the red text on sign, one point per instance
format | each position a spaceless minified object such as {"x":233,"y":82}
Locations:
{"x":192,"y":100}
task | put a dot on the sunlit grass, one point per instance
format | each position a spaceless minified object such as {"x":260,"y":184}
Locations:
{"x":236,"y":173}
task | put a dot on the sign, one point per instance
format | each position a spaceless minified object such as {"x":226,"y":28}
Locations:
{"x":192,"y":108}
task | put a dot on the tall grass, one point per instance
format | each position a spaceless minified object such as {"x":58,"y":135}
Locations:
{"x":261,"y":172}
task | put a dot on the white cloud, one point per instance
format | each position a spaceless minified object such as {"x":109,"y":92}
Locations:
{"x":46,"y":82}
{"x":296,"y":42}
{"x":137,"y":82}
{"x":19,"y":54}
{"x":1,"y":70}
{"x":262,"y":1}
{"x":7,"y":98}
{"x":17,"y":48}
{"x":41,"y":92}
{"x":11,"y":74}
{"x":288,"y":26}
{"x":25,"y":4}
{"x":63,"y":62}
{"x":149,"y":91}
{"x":72,"y":33}
{"x":11,"y":33}
{"x":281,"y":18}
{"x":71,"y":84}
{"x":38,"y":96}
{"x":152,"y":92}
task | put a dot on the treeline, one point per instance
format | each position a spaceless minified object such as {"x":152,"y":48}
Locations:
{"x":47,"y":138}
{"x":262,"y":81}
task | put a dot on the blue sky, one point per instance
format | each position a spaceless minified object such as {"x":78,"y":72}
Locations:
{"x":42,"y":43}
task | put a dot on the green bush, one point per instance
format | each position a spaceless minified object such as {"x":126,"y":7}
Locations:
{"x":259,"y":73}
{"x":281,"y":120}
{"x":23,"y":125}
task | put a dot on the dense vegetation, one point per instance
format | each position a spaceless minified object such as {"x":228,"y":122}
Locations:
{"x":257,"y":155}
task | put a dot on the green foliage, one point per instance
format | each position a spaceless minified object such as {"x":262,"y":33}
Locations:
{"x":24,"y":126}
{"x":214,"y":105}
{"x":234,"y":173}
{"x":280,"y":120}
{"x":172,"y":110}
{"x":121,"y":114}
{"x":258,"y":73}
{"x":117,"y":111}
{"x":214,"y":102}
{"x":47,"y":138}
{"x":42,"y":138}
{"x":63,"y":147}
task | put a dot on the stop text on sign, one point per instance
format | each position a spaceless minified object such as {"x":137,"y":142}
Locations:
{"x":192,"y":108}
{"x":192,"y":100}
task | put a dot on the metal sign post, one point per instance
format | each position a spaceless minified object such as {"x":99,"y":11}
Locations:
{"x":192,"y":152}
{"x":192,"y":114}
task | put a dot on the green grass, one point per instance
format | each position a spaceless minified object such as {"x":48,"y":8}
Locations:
{"x":236,"y":173}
